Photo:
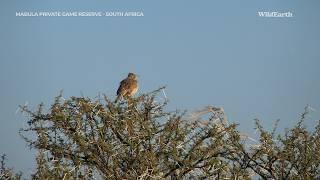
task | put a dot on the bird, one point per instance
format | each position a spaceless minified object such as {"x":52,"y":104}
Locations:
{"x":128,"y":87}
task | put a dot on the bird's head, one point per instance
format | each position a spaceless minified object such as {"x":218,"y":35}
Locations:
{"x":132,"y":76}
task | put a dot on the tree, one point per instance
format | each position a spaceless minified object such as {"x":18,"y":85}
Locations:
{"x":81,"y":138}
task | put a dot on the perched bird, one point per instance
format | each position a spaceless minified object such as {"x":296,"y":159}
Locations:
{"x":128,"y":87}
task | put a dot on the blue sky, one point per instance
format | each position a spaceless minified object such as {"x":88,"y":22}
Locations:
{"x":206,"y":53}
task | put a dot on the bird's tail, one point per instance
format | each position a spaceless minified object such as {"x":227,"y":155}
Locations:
{"x":117,"y":99}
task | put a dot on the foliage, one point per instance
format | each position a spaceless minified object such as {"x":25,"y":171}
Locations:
{"x":81,"y":138}
{"x":7,"y":173}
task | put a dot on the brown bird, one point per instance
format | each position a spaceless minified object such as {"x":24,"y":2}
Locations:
{"x":128,"y":87}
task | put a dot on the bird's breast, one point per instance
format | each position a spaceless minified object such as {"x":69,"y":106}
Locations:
{"x":134,"y":91}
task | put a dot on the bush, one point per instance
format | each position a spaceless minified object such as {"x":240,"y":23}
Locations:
{"x":7,"y":173}
{"x":80,"y":138}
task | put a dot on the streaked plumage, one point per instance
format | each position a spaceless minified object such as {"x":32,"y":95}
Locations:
{"x":128,"y":87}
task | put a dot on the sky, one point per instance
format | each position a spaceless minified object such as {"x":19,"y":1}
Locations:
{"x":218,"y":53}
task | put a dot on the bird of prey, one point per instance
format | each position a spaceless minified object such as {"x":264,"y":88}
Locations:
{"x":128,"y":87}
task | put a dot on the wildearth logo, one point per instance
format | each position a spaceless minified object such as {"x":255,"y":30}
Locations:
{"x":275,"y":14}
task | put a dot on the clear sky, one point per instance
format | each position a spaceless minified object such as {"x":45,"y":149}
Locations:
{"x":206,"y":53}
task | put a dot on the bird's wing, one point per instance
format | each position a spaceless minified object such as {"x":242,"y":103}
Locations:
{"x":122,"y":88}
